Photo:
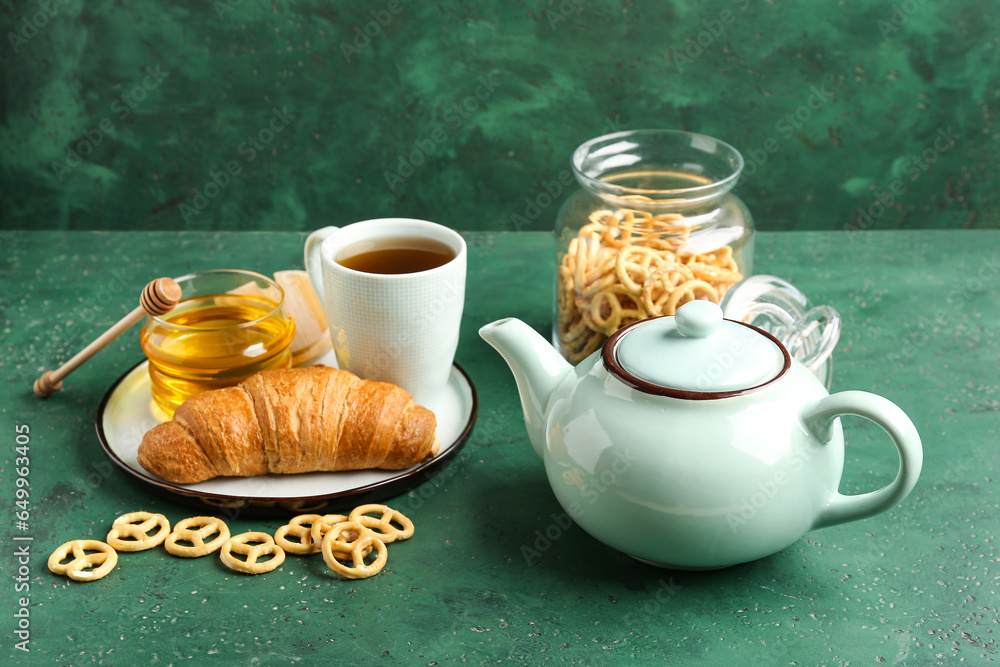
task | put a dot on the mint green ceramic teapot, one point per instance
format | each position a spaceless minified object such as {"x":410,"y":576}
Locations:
{"x":695,"y":442}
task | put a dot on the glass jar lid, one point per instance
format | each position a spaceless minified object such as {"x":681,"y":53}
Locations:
{"x":695,"y":354}
{"x":809,"y":333}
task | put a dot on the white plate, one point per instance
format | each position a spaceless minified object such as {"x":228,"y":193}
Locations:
{"x":128,"y":411}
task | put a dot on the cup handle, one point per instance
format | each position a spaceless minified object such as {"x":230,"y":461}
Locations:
{"x":819,"y":419}
{"x":314,"y":265}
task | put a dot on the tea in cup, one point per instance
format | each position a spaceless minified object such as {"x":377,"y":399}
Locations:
{"x":393,"y":290}
{"x":229,"y":325}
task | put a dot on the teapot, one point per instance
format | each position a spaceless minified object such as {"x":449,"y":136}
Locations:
{"x":695,"y":442}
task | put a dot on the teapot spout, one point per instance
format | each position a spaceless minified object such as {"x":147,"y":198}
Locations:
{"x":538,"y":369}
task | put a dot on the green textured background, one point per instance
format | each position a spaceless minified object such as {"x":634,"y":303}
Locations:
{"x":883,"y":79}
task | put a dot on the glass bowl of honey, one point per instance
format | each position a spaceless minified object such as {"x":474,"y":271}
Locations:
{"x":228,"y":325}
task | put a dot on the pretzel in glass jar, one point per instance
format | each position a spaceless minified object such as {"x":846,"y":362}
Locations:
{"x":626,"y":265}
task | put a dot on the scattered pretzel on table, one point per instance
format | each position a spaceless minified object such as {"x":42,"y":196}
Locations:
{"x":83,"y":566}
{"x":335,"y":549}
{"x":346,"y":542}
{"x":385,"y":530}
{"x":354,"y":537}
{"x":301,"y":528}
{"x":136,"y":525}
{"x":195,"y":530}
{"x":252,"y":545}
{"x":321,"y":526}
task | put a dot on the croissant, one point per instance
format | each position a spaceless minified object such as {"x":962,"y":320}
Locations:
{"x":290,"y":421}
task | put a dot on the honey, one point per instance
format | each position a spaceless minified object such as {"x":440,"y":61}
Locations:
{"x":214,"y":341}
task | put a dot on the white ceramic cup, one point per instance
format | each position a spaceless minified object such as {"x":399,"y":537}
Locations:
{"x":400,"y":327}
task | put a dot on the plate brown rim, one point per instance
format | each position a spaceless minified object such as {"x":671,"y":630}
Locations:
{"x":390,"y":487}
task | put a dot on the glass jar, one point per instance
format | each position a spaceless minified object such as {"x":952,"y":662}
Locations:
{"x":654,"y":226}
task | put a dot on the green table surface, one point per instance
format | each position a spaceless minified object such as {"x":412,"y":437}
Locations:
{"x":914,"y":585}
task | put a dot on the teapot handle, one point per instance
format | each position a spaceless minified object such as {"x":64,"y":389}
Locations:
{"x":820,"y":418}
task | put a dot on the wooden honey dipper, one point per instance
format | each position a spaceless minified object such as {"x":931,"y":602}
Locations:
{"x":158,"y":297}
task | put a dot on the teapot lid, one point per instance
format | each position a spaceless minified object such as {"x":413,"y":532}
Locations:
{"x":695,"y":354}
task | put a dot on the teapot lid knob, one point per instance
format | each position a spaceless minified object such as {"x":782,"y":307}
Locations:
{"x":698,"y":319}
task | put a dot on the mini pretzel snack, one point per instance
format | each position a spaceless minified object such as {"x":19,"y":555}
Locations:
{"x":336,"y":547}
{"x":130,"y":532}
{"x":83,"y":566}
{"x":252,"y":545}
{"x":346,"y":542}
{"x":627,"y":265}
{"x":382,"y":526}
{"x":301,"y":528}
{"x":347,"y":534}
{"x":322,"y":526}
{"x":194,"y":530}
